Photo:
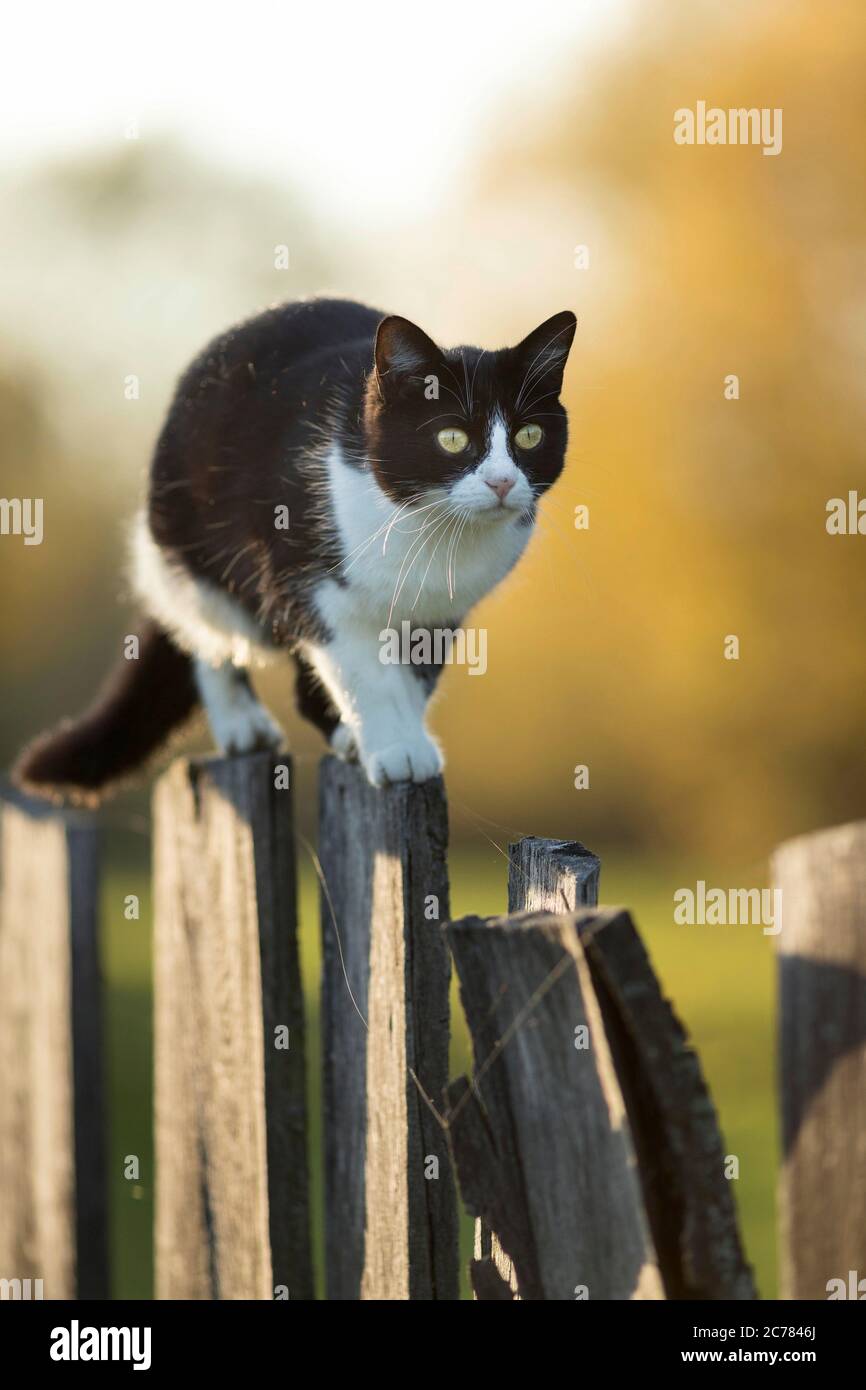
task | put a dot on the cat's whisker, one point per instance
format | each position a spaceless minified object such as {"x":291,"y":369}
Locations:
{"x":370,"y":539}
{"x":224,"y":582}
{"x":545,"y":366}
{"x":474,"y":374}
{"x":429,"y":530}
{"x":464,"y":403}
{"x":448,"y":556}
{"x":453,"y":549}
{"x":466,"y":522}
{"x":427,"y":570}
{"x":458,"y":398}
{"x":451,"y":534}
{"x":446,"y":415}
{"x":529,"y":406}
{"x":437,"y":502}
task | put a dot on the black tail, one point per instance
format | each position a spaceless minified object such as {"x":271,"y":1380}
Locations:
{"x":141,"y":703}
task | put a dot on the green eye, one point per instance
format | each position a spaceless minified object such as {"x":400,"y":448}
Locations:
{"x":529,"y":436}
{"x":453,"y":441}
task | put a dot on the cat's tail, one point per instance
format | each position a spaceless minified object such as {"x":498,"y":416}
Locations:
{"x":143,"y":701}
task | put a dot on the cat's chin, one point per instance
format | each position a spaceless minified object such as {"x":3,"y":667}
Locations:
{"x":497,"y":513}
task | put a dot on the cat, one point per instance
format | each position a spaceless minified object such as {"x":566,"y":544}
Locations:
{"x":325,"y":472}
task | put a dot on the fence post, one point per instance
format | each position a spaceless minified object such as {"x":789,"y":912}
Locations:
{"x":598,"y":1158}
{"x":232,"y":1204}
{"x":543,"y":876}
{"x":53,"y":1212}
{"x":551,"y":875}
{"x":390,"y":1205}
{"x":821,"y":954}
{"x":540,"y":1139}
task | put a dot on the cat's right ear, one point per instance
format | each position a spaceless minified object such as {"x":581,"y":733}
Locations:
{"x":402,"y":349}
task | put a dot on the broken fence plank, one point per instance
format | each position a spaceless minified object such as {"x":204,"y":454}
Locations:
{"x":675,"y":1128}
{"x":540,"y":1139}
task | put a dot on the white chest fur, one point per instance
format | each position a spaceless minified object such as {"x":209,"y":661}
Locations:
{"x":425,"y":561}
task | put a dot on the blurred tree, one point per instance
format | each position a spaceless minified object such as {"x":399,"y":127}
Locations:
{"x":707,"y":513}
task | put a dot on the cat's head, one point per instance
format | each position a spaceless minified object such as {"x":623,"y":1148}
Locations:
{"x":485,"y":428}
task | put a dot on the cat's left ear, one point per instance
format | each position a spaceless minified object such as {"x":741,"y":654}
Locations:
{"x":544,"y":352}
{"x":402,"y":348}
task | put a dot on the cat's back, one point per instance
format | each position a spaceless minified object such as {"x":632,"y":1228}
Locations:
{"x":285,"y":335}
{"x":247,"y":418}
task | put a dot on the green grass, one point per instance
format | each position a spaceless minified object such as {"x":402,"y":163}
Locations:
{"x":719,"y":979}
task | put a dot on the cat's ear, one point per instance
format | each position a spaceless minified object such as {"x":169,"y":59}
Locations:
{"x":402,"y":348}
{"x":544,"y":352}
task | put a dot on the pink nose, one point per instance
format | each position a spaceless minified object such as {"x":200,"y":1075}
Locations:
{"x":501,"y":488}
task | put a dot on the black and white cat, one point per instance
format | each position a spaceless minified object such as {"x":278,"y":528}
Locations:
{"x":324,"y":472}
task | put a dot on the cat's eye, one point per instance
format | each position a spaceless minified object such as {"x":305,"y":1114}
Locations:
{"x":528,"y":436}
{"x":453,"y":441}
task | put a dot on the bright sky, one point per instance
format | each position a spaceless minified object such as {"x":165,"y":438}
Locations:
{"x":369,"y":105}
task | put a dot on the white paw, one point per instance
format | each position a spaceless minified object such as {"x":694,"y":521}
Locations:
{"x":414,"y":759}
{"x":343,"y":743}
{"x":245,"y":728}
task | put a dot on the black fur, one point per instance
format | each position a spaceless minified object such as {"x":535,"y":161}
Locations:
{"x":248,"y":431}
{"x":139,"y":706}
{"x":256,"y":411}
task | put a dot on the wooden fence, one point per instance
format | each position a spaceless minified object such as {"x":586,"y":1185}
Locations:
{"x":585,"y":1143}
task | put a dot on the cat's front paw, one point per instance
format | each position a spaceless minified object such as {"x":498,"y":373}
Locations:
{"x":415,"y":759}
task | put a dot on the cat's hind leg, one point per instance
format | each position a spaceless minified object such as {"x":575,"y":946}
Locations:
{"x":239,"y":723}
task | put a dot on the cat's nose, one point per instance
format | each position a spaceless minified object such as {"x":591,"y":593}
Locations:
{"x":501,"y":487}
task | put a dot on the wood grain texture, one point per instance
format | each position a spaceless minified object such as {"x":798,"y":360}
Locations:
{"x":821,"y":959}
{"x":680,"y":1149}
{"x":544,"y":875}
{"x":232,"y":1206}
{"x":53,"y":1213}
{"x":390,"y":1227}
{"x":551,"y":875}
{"x":541,"y":1139}
{"x":681,"y":1152}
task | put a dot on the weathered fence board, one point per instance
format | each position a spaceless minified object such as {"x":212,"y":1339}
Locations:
{"x":543,"y":876}
{"x":53,"y":1212}
{"x":541,"y":1139}
{"x":645,"y":1071}
{"x":390,"y":1224}
{"x":681,"y":1153}
{"x":822,"y":1060}
{"x":232,"y":1215}
{"x":551,"y":875}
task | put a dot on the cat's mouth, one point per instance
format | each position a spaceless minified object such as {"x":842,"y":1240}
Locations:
{"x":494,"y":508}
{"x":498,"y":494}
